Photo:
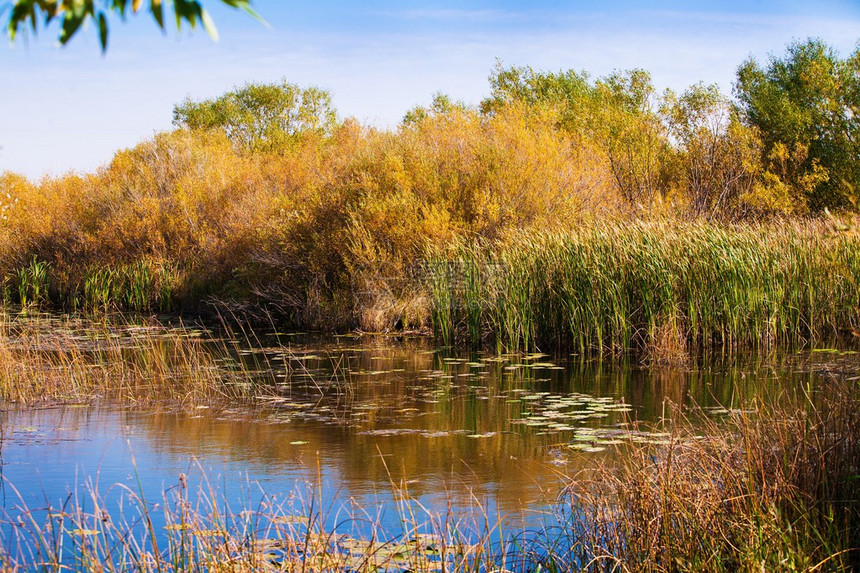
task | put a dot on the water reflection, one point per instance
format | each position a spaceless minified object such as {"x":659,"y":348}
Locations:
{"x":367,"y":418}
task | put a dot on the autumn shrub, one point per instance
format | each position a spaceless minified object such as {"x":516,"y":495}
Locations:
{"x":180,"y":205}
{"x":459,"y":174}
{"x":347,"y":246}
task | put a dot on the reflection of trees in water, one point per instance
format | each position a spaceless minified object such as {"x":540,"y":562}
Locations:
{"x":437,"y":424}
{"x":504,"y":463}
{"x":405,"y":415}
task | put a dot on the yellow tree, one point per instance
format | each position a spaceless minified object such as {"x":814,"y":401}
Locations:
{"x":717,"y":153}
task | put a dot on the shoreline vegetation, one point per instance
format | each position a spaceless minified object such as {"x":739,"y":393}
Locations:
{"x":47,"y":359}
{"x":662,"y":289}
{"x":564,"y":211}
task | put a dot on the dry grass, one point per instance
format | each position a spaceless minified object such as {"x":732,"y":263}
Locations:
{"x":194,"y":527}
{"x":45,"y":358}
{"x":776,"y":488}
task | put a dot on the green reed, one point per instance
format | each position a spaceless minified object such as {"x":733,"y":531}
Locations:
{"x":33,"y":282}
{"x":441,"y":290}
{"x":99,"y":288}
{"x":136,"y":287}
{"x":613,"y":287}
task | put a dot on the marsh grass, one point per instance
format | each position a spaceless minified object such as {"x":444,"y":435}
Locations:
{"x":771,"y":488}
{"x":33,"y":282}
{"x":136,"y":287}
{"x":45,"y":357}
{"x":661,"y":288}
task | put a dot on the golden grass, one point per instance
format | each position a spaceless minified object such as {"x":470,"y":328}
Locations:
{"x":50,"y":358}
{"x":773,"y":488}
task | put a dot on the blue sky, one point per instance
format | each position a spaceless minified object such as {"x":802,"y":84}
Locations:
{"x":70,"y":108}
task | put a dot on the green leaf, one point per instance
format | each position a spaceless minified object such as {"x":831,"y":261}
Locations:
{"x":208,"y":25}
{"x":157,"y":9}
{"x":71,"y":23}
{"x":20,"y":13}
{"x":245,"y":6}
{"x":119,"y":6}
{"x":103,"y":31}
{"x":185,"y":10}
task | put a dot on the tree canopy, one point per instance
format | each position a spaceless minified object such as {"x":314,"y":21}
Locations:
{"x":261,"y":117}
{"x":73,"y":14}
{"x":618,"y":111}
{"x":806,"y":106}
{"x":789,"y":142}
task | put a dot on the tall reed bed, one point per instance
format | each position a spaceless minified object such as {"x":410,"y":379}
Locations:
{"x":663,"y":288}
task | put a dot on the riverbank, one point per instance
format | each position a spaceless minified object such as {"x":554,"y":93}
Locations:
{"x":664,"y":289}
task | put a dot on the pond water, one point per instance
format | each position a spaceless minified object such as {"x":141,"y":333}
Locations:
{"x":355,"y":425}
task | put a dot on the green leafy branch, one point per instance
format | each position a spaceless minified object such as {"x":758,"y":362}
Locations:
{"x":72,"y":14}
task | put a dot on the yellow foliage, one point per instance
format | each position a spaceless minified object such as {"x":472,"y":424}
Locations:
{"x":783,"y":186}
{"x":331,"y":231}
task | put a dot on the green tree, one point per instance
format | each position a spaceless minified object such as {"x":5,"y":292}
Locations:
{"x":717,"y":153}
{"x":261,"y":117}
{"x":806,"y":106}
{"x":442,"y":104}
{"x":72,"y":14}
{"x":570,"y":93}
{"x":627,"y":121}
